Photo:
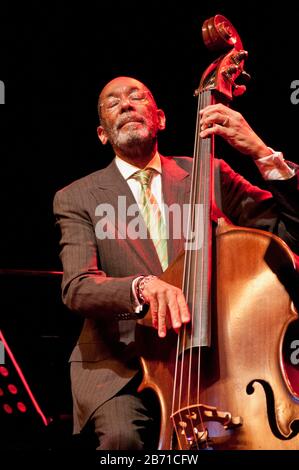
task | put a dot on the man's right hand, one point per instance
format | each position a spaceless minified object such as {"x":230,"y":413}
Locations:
{"x":166,"y":303}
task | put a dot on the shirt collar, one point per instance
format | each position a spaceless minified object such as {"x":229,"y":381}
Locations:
{"x":127,"y":170}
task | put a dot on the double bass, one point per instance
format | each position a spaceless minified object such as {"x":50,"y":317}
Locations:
{"x":221,"y":383}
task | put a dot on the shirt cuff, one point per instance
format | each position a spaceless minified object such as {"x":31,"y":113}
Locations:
{"x":138,"y":306}
{"x":274,"y":167}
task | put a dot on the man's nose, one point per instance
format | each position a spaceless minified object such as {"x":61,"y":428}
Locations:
{"x":125,"y":103}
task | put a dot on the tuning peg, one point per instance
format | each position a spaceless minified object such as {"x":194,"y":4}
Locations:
{"x":229,"y":71}
{"x":239,"y":56}
{"x":245,"y":76}
{"x":239,"y":90}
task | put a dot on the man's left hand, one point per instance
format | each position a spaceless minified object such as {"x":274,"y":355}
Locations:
{"x":218,"y":119}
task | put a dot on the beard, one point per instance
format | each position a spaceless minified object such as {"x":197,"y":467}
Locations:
{"x":131,"y":135}
{"x":134,"y":135}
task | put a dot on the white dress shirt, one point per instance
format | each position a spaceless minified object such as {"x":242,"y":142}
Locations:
{"x":127,"y":170}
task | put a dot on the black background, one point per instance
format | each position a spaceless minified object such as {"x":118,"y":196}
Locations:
{"x":55,"y":58}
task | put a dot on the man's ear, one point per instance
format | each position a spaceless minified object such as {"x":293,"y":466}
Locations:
{"x":102,"y":135}
{"x":161,"y":119}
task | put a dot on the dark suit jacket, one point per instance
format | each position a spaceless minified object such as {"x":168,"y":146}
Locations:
{"x":98,"y":274}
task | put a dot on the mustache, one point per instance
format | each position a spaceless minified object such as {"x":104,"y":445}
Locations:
{"x":129,"y":118}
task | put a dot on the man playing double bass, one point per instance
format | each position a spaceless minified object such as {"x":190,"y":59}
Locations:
{"x":109,"y":280}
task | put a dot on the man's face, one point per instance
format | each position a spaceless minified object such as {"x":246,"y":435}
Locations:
{"x":129,"y":114}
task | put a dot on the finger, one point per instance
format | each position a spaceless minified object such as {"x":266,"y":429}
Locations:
{"x":212,"y":108}
{"x":162,"y":316}
{"x":154,"y":311}
{"x":216,"y":129}
{"x":153,"y":303}
{"x":210,"y":119}
{"x":184,"y":310}
{"x":174,"y":312}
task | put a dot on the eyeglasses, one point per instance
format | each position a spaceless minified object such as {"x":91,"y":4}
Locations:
{"x":135,"y":97}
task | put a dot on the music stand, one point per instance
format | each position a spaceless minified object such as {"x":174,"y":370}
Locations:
{"x":22,"y":420}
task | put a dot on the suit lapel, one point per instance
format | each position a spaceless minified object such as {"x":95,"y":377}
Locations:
{"x":111,"y":186}
{"x":175,"y":190}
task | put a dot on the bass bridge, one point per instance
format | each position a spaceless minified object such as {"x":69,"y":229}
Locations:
{"x":189,"y":424}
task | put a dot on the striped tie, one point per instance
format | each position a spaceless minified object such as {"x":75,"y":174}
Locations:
{"x":152,"y":215}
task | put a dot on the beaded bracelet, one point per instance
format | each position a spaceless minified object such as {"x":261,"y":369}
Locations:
{"x":141,"y":285}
